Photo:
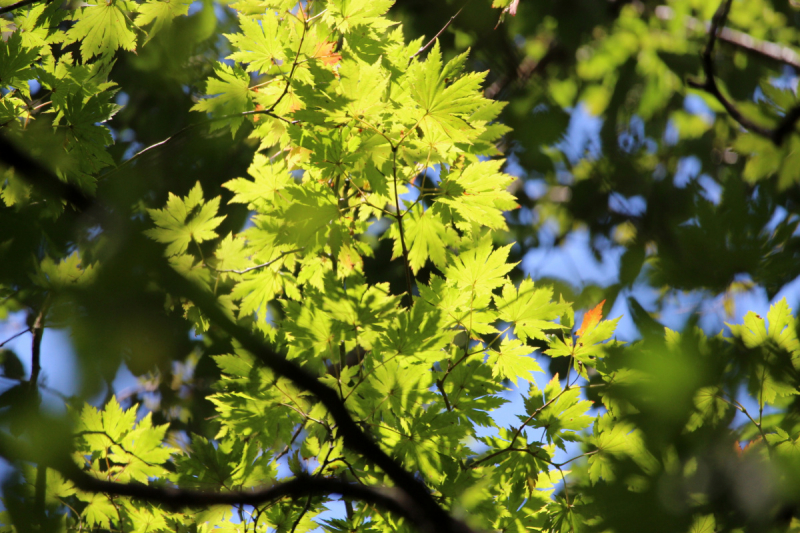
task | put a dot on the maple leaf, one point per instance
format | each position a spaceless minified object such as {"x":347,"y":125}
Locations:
{"x":161,"y":13}
{"x":185,"y":220}
{"x":531,"y":310}
{"x":480,"y":268}
{"x":260,"y":44}
{"x":478,"y":193}
{"x":512,"y":361}
{"x":103,"y":29}
{"x":324,"y":51}
{"x":591,"y":319}
{"x":228,"y":94}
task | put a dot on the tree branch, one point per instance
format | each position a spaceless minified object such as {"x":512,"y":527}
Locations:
{"x":738,"y":39}
{"x":175,"y":498}
{"x":12,"y":7}
{"x":428,"y":515}
{"x":41,"y":177}
{"x":778,"y":134}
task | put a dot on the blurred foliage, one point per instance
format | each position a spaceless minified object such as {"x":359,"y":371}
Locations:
{"x":688,"y":431}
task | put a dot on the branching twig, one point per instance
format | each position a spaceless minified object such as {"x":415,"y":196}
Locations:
{"x":778,"y":134}
{"x":410,"y":496}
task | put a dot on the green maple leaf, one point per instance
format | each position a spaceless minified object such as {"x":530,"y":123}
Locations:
{"x":513,"y":360}
{"x":531,"y":310}
{"x":417,"y":333}
{"x":307,"y":221}
{"x":405,"y":386}
{"x":346,"y":15}
{"x":99,"y":510}
{"x":147,"y":520}
{"x":161,"y":14}
{"x":15,"y":63}
{"x":268,"y":180}
{"x":101,"y":429}
{"x":444,"y":103}
{"x":781,"y":331}
{"x":68,"y":273}
{"x":104,"y":28}
{"x":480,"y":268}
{"x":478,"y":193}
{"x":185,"y":220}
{"x":561,"y":410}
{"x":704,"y":524}
{"x":228,"y":94}
{"x":143,"y":451}
{"x":426,"y":236}
{"x":710,"y":407}
{"x":135,"y":450}
{"x":586,"y":347}
{"x":261,"y":42}
{"x":616,"y":438}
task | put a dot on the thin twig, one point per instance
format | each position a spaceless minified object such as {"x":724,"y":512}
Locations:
{"x":263,"y":265}
{"x":399,"y":217}
{"x":423,"y":48}
{"x":191,"y":127}
{"x":291,"y":71}
{"x":14,"y":336}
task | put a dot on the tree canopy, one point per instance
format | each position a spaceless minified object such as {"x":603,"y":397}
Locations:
{"x":306,"y":228}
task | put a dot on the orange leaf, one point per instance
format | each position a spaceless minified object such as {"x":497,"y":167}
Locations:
{"x":324,"y":52}
{"x":591,"y":318}
{"x":259,"y":107}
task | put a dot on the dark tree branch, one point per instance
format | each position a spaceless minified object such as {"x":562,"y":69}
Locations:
{"x":12,"y":7}
{"x":778,"y":134}
{"x":41,"y":177}
{"x":175,"y":498}
{"x":431,"y":517}
{"x":428,"y":515}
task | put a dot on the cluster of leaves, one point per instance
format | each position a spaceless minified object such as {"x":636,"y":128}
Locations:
{"x":335,"y":380}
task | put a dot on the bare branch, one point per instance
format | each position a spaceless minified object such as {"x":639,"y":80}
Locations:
{"x":423,"y":48}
